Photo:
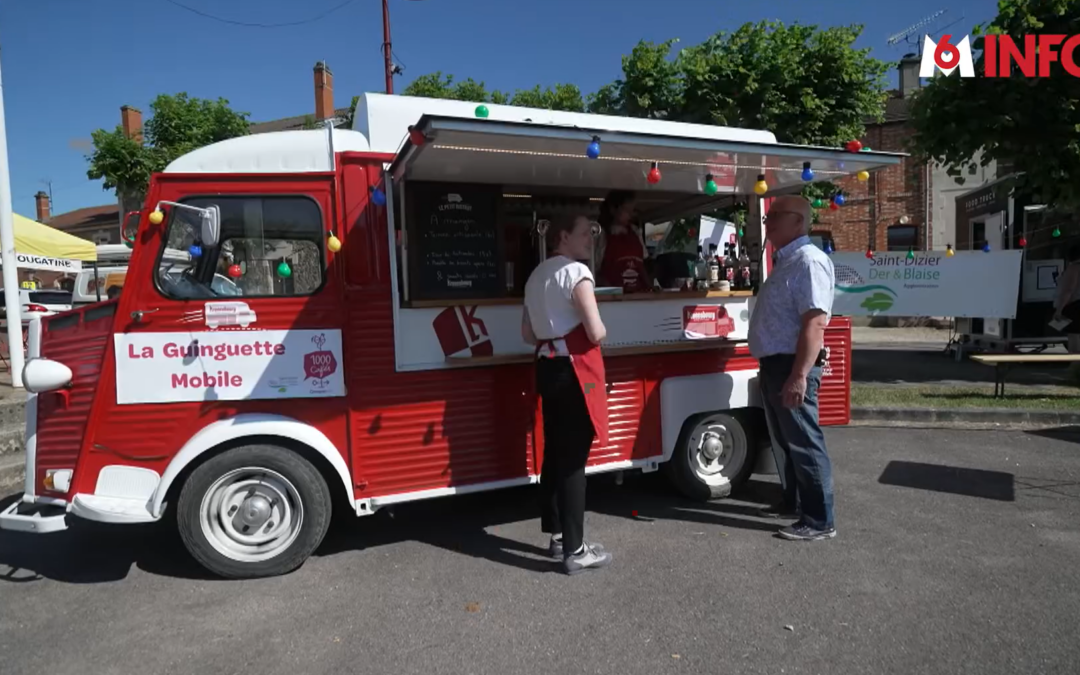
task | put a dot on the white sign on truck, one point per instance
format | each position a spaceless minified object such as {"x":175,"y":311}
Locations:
{"x":228,"y":365}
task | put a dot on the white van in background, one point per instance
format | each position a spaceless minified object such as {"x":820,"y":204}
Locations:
{"x":93,"y":283}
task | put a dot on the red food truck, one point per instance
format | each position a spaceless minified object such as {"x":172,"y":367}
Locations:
{"x":366,"y":349}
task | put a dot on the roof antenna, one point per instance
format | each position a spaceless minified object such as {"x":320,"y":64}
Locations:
{"x":912,"y":35}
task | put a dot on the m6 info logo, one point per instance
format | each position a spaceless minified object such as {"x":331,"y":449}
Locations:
{"x":1033,"y":56}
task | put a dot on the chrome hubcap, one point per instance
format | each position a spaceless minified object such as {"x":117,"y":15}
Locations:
{"x":251,"y":514}
{"x":711,"y":449}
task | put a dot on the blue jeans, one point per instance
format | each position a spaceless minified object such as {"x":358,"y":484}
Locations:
{"x":798,"y":444}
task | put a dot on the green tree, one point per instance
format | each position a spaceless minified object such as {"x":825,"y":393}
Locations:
{"x":804,"y":84}
{"x":561,"y":97}
{"x":437,"y":85}
{"x":1031,"y":123}
{"x":651,"y":85}
{"x":177,"y":125}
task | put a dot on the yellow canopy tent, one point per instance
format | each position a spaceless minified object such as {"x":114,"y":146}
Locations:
{"x":39,"y":246}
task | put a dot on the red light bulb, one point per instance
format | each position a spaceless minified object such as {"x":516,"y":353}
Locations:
{"x":1022,"y":242}
{"x":833,"y":206}
{"x":870,"y":253}
{"x":416,"y":137}
{"x":853,"y":146}
{"x":654,"y":174}
{"x":235,"y":272}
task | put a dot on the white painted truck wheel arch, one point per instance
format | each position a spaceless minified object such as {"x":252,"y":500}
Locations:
{"x":681,"y":397}
{"x":250,"y":425}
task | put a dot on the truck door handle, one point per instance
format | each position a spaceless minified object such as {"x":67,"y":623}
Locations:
{"x":137,"y":315}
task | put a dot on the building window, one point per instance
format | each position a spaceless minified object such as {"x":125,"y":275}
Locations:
{"x":277,"y":243}
{"x":902,"y":237}
{"x":101,"y":239}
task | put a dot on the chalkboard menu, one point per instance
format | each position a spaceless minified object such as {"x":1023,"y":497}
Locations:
{"x":453,"y":241}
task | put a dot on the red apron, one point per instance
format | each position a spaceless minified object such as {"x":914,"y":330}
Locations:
{"x":588,"y":365}
{"x":624,"y":262}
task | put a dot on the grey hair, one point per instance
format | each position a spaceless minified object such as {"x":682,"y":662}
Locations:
{"x":800,"y":205}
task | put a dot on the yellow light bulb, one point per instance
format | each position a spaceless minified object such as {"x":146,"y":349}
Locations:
{"x":156,"y":216}
{"x":863,"y":176}
{"x":333,"y":244}
{"x":761,"y":187}
{"x":949,"y":252}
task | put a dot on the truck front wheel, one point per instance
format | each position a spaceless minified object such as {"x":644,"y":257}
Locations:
{"x":253,"y":511}
{"x":712,"y":457}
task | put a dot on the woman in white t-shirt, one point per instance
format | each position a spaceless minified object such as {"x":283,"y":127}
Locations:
{"x":561,"y":318}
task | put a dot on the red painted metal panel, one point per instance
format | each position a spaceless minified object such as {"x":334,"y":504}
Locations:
{"x":834,"y":399}
{"x":78,"y":339}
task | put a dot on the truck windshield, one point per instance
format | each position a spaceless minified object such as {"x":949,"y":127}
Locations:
{"x":269,"y":246}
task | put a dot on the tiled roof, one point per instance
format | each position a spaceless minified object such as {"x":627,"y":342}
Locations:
{"x":289,"y":123}
{"x":896,"y":109}
{"x":106,"y":215}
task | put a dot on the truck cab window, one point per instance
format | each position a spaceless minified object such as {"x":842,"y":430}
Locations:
{"x":268,"y":246}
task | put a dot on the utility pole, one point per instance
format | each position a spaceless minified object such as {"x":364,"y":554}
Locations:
{"x":388,"y":59}
{"x":16,"y":357}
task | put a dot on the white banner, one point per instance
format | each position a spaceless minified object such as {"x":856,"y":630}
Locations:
{"x":228,"y":365}
{"x":44,"y":262}
{"x":969,"y":284}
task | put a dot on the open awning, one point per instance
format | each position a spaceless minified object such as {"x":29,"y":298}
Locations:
{"x":38,"y":246}
{"x":520,"y":153}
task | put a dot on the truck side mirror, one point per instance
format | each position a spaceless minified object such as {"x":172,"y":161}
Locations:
{"x":211,"y":225}
{"x":130,"y":228}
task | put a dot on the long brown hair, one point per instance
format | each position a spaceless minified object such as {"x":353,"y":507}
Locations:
{"x":612,"y":203}
{"x":556,"y":227}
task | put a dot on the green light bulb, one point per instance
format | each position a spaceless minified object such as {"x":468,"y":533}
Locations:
{"x":283,"y":270}
{"x":911,"y":254}
{"x":482,"y":111}
{"x":1056,"y":233}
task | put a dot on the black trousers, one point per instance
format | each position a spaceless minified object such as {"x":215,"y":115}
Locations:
{"x":568,"y":435}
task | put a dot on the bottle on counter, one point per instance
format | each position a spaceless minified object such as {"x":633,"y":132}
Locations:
{"x":744,"y":270}
{"x":755,"y":267}
{"x":714,"y":268}
{"x":729,"y":265}
{"x":700,"y":267}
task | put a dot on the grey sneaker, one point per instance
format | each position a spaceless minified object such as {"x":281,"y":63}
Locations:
{"x":555,"y":548}
{"x":589,"y":559}
{"x":803,"y":532}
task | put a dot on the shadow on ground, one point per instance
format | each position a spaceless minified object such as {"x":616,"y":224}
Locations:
{"x":1069,"y":433}
{"x":89,"y":553}
{"x":966,"y":482}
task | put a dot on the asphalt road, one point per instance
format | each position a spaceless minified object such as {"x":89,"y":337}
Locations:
{"x":958,"y":553}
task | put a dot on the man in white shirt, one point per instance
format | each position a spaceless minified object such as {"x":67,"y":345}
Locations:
{"x":787,"y":336}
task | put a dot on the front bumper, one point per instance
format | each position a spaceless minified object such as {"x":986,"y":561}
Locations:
{"x":24,"y":516}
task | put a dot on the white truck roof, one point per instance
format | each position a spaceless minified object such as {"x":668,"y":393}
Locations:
{"x":381,"y":124}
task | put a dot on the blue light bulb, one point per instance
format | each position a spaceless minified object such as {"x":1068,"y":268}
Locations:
{"x":195,"y":250}
{"x":828,"y":247}
{"x":593,"y":151}
{"x":839,"y":199}
{"x":378,"y":196}
{"x":986,"y":247}
{"x":807,"y":172}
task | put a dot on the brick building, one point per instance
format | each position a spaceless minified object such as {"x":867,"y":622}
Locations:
{"x":908,"y":205}
{"x":892,"y":210}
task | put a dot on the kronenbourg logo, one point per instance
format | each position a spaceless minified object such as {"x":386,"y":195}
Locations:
{"x":946,"y":57}
{"x":879,"y":298}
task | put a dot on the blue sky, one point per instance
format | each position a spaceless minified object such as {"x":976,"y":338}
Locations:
{"x":68,"y":65}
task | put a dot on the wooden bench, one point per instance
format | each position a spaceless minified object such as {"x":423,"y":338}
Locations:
{"x":1001,"y":363}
